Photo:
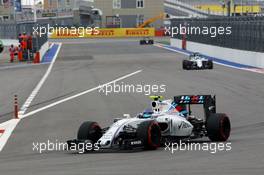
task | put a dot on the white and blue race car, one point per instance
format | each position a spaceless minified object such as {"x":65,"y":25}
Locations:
{"x":167,"y":121}
{"x":146,"y":41}
{"x":197,"y":61}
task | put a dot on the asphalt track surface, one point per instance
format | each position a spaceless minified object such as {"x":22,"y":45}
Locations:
{"x":82,"y":65}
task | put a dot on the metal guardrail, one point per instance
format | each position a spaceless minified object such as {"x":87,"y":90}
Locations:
{"x":247,"y":32}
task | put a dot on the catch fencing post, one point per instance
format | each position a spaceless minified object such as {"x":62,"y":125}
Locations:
{"x":15,"y":107}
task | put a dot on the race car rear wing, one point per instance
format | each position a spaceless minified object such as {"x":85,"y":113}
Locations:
{"x":208,"y":102}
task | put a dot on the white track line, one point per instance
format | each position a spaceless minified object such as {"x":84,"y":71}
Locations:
{"x":8,"y":128}
{"x":40,"y":84}
{"x":173,"y":50}
{"x":78,"y":95}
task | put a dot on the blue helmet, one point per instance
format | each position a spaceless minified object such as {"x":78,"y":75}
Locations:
{"x":147,"y":113}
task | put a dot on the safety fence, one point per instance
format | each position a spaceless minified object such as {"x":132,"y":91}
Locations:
{"x":247,"y":33}
{"x":12,"y":31}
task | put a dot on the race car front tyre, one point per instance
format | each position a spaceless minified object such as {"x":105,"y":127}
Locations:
{"x":142,"y":42}
{"x":218,"y":127}
{"x":150,"y":134}
{"x":210,"y":64}
{"x":89,"y":131}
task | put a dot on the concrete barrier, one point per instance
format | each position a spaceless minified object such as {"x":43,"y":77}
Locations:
{"x":255,"y":59}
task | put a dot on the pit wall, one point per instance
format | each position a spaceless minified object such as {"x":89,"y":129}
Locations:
{"x":9,"y":42}
{"x":255,"y":59}
{"x":44,"y":48}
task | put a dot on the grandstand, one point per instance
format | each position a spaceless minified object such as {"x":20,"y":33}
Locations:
{"x":179,"y":9}
{"x":220,"y":2}
{"x":207,"y":8}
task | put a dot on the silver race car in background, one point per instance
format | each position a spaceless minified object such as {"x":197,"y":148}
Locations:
{"x":167,"y":121}
{"x":197,"y":61}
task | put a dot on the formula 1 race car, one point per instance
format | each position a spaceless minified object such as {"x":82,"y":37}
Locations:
{"x":167,"y":121}
{"x":1,"y":46}
{"x":197,"y":61}
{"x":146,"y":41}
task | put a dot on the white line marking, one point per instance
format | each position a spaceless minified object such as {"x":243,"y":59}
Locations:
{"x":8,"y":128}
{"x":257,"y":70}
{"x":79,"y":94}
{"x":161,"y":46}
{"x":40,"y":84}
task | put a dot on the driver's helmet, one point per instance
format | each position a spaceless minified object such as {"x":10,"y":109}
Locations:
{"x":147,"y":113}
{"x":193,"y":55}
{"x":196,"y":54}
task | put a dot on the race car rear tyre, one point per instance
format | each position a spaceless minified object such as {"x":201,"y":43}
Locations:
{"x":1,"y":48}
{"x":218,"y":127}
{"x":150,"y":134}
{"x":89,"y":131}
{"x":151,"y":41}
{"x":142,"y":42}
{"x":185,"y":65}
{"x":210,"y":64}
